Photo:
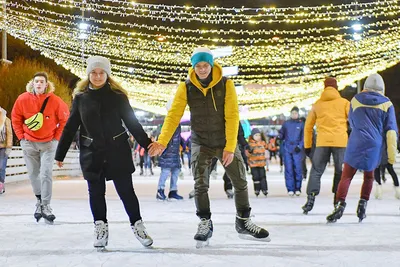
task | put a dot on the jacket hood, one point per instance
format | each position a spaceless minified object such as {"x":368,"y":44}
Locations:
{"x":216,"y":77}
{"x":50,"y":88}
{"x":330,"y":94}
{"x":371,"y":98}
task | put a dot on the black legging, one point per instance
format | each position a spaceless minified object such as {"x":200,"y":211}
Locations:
{"x":124,"y":188}
{"x":391,"y":171}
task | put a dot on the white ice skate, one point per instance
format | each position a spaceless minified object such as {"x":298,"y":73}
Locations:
{"x":397,"y":192}
{"x":298,"y":193}
{"x":378,"y":191}
{"x":100,"y":235}
{"x":47,"y":214}
{"x":290,"y":193}
{"x":141,"y":234}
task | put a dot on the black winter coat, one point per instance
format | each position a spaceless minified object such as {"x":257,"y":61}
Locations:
{"x":104,"y":145}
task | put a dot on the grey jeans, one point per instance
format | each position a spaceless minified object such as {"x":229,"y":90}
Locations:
{"x":319,"y":160}
{"x":39,"y":159}
{"x":201,"y":160}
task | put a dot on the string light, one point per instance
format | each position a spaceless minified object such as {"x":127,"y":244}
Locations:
{"x":288,"y":48}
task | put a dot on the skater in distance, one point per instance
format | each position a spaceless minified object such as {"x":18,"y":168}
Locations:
{"x":38,"y":118}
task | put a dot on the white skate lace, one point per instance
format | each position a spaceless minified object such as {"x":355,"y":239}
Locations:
{"x":46,"y":209}
{"x":141,"y":231}
{"x":204,"y":227}
{"x":250,"y":226}
{"x":38,"y":207}
{"x":100,"y":230}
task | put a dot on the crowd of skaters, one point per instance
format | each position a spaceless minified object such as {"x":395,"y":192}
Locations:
{"x":101,"y":117}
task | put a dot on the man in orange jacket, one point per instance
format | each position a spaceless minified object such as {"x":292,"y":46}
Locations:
{"x":329,"y":114}
{"x":38,"y":119}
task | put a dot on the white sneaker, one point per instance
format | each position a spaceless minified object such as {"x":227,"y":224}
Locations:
{"x":298,"y":193}
{"x":291,"y":193}
{"x":100,"y":234}
{"x":2,"y":189}
{"x":141,"y":234}
{"x":378,"y":191}
{"x":397,"y":194}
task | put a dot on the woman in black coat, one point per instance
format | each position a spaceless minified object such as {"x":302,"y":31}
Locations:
{"x":99,"y":110}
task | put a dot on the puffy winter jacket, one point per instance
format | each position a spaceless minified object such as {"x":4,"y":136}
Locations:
{"x":372,"y":118}
{"x":28,"y":104}
{"x":292,"y":133}
{"x":170,"y":158}
{"x":330,"y":114}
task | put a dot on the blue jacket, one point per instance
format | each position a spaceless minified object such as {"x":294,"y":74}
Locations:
{"x":170,"y":158}
{"x":292,"y":133}
{"x":372,"y":119}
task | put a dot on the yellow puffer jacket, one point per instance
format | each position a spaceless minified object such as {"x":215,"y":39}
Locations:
{"x":180,"y":101}
{"x":330,"y":115}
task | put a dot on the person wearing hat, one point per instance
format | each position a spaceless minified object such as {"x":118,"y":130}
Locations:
{"x":329,"y":114}
{"x":372,"y":120}
{"x":99,"y":109}
{"x":257,"y":161}
{"x":214,"y":120}
{"x":291,"y":134}
{"x":38,"y":118}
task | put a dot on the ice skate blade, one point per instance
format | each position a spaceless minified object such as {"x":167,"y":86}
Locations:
{"x":202,"y":244}
{"x":147,"y":243}
{"x":101,"y":249}
{"x":49,"y":222}
{"x":252,"y":238}
{"x":330,"y":221}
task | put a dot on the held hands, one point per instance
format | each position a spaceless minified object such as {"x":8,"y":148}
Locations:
{"x":297,"y":149}
{"x":308,"y":152}
{"x":60,"y":163}
{"x":227,"y":158}
{"x":155,"y":149}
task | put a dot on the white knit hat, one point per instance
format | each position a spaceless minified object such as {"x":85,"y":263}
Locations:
{"x":98,"y":62}
{"x":374,"y":82}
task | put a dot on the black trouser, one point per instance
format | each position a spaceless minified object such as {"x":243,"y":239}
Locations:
{"x":202,"y":158}
{"x":272,"y":154}
{"x":391,"y":171}
{"x":304,"y":163}
{"x":227,"y":180}
{"x":124,"y":188}
{"x":259,"y":179}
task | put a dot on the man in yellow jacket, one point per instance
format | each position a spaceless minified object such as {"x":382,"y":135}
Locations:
{"x":214,"y":119}
{"x":329,"y":114}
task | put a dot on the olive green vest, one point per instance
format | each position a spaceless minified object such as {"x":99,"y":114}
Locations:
{"x":208,"y":124}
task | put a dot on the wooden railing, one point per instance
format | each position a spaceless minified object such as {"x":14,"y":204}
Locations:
{"x":16,"y":168}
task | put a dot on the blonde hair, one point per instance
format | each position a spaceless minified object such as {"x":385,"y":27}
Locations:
{"x":83,"y":85}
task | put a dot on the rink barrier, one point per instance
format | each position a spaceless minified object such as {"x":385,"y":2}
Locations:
{"x":16,"y":168}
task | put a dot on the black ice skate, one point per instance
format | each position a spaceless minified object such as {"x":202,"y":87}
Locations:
{"x":362,"y":207}
{"x":248,"y":230}
{"x":337,"y":212}
{"x":229,"y":193}
{"x":204,"y":233}
{"x":309,"y":204}
{"x":38,"y":210}
{"x":47,"y":214}
{"x":100,"y":235}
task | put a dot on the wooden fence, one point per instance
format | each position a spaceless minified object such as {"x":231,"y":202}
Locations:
{"x":16,"y":169}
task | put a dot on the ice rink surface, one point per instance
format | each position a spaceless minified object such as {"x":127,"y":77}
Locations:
{"x":297,"y":240}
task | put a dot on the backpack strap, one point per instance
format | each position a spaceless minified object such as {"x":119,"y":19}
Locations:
{"x":44,"y":104}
